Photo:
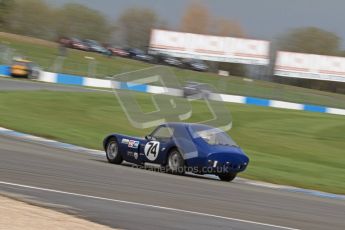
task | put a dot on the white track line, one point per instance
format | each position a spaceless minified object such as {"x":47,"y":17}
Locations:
{"x":146,"y":205}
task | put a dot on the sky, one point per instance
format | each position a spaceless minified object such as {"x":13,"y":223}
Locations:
{"x":260,"y":19}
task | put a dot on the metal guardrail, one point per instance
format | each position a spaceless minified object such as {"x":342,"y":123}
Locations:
{"x":102,"y":83}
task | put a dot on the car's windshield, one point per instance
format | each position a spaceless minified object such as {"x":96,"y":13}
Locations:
{"x":213,"y":136}
{"x":21,"y":63}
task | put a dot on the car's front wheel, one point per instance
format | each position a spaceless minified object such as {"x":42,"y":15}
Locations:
{"x":175,"y":164}
{"x":227,"y":176}
{"x":112,"y":152}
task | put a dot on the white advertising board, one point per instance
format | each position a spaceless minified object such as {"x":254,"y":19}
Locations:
{"x":310,"y":66}
{"x":212,"y":48}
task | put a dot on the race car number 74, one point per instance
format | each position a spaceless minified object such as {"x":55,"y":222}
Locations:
{"x":152,"y":150}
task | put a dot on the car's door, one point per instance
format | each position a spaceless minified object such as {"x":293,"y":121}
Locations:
{"x":155,"y":149}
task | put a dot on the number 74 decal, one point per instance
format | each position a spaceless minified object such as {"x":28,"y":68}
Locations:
{"x":152,"y":150}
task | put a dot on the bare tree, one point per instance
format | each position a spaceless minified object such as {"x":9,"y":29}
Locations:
{"x":135,"y":25}
{"x":196,"y":19}
{"x":226,"y":27}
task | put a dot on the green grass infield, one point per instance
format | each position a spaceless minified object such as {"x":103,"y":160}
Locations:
{"x":295,"y":148}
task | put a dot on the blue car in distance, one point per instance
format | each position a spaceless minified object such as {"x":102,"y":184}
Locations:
{"x":180,"y":147}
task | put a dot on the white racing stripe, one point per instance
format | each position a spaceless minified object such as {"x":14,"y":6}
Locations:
{"x":146,"y":205}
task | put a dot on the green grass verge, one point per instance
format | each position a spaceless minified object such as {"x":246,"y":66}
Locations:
{"x":45,"y":54}
{"x":287,"y":147}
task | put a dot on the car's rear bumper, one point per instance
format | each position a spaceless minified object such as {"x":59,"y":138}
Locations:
{"x":225,"y":167}
{"x":225,"y":162}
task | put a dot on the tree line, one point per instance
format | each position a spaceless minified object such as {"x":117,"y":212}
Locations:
{"x":37,"y":18}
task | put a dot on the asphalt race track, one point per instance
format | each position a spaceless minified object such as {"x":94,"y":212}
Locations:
{"x":23,"y":84}
{"x":133,"y":198}
{"x":125,"y":197}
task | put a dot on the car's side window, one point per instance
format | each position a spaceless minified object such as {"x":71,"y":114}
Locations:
{"x":163,"y":133}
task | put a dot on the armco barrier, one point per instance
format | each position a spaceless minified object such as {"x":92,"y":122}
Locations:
{"x":102,"y":83}
{"x":85,"y":81}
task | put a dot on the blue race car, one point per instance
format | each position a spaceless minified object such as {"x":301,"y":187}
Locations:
{"x":180,"y":147}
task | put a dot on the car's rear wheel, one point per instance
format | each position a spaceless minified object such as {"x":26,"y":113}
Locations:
{"x":175,"y":164}
{"x":227,"y":176}
{"x":112,"y":152}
